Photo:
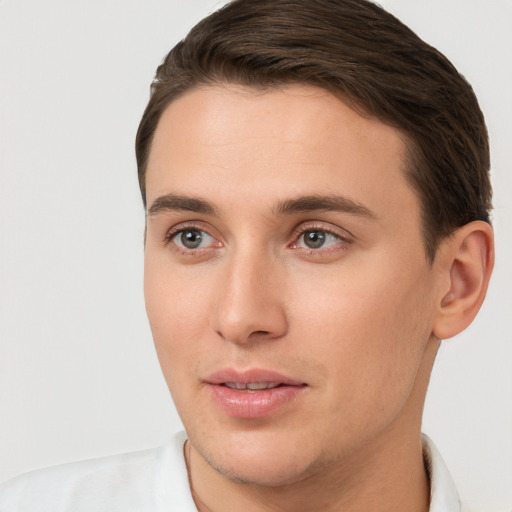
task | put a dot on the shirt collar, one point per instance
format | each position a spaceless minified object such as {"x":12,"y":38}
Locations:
{"x":443,"y":493}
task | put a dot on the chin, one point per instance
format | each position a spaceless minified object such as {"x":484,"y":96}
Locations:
{"x":271,"y":473}
{"x":261,"y":461}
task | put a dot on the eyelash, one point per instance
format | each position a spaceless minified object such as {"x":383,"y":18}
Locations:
{"x":344,"y":238}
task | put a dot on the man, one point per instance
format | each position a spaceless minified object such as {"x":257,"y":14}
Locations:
{"x":316,"y":186}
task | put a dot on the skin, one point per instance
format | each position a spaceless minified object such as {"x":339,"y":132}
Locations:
{"x":356,"y":319}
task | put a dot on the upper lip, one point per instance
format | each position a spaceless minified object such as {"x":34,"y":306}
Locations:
{"x":253,"y":375}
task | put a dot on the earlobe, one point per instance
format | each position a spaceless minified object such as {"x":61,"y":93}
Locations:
{"x":468,"y":260}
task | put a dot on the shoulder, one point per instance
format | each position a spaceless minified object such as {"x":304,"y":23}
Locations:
{"x":127,"y":482}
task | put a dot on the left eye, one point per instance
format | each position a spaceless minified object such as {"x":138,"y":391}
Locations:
{"x":317,"y":239}
{"x":192,"y":239}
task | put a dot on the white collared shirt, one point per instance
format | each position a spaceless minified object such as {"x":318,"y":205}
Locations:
{"x":443,"y":493}
{"x":152,"y":481}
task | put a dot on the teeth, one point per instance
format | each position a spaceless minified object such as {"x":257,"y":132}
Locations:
{"x":260,"y":385}
{"x":233,"y":385}
{"x":251,"y":386}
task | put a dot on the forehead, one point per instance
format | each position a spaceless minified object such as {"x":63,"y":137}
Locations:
{"x":276,"y":144}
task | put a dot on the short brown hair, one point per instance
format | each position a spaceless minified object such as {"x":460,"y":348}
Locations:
{"x":367,"y":57}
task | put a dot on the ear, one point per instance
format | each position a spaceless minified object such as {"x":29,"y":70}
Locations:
{"x":466,"y":260}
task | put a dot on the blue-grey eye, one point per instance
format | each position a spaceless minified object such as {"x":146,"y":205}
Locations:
{"x":316,"y":239}
{"x":192,"y":239}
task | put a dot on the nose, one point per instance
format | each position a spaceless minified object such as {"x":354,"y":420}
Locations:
{"x":250,"y":303}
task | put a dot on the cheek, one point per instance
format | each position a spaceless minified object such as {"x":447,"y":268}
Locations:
{"x":176,"y":313}
{"x":369,"y":336}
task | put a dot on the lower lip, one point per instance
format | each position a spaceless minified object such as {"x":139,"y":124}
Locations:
{"x":253,"y":404}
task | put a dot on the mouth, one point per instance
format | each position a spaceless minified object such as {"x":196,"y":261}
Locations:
{"x":254,"y":393}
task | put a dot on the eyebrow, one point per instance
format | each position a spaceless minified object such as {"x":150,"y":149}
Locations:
{"x":323,"y":203}
{"x":172,"y":202}
{"x":313,"y":203}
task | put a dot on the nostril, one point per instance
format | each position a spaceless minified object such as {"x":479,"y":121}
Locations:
{"x":260,"y":333}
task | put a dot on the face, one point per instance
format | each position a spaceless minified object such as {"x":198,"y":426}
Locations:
{"x":286,"y":281}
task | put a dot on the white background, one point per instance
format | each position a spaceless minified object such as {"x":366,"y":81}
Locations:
{"x":78,"y":375}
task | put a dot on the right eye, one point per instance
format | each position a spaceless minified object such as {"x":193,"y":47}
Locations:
{"x":191,"y":238}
